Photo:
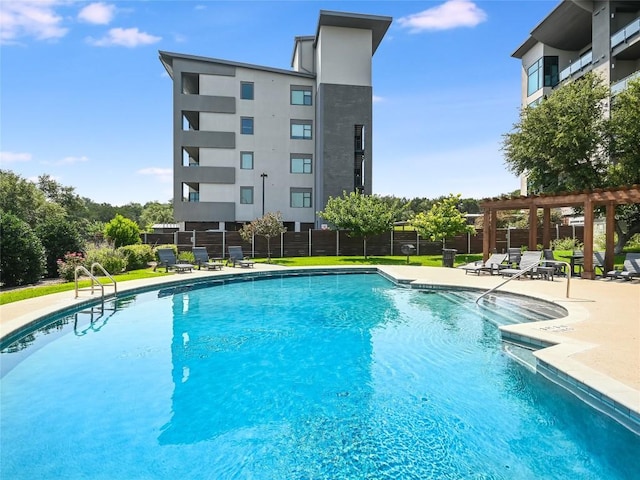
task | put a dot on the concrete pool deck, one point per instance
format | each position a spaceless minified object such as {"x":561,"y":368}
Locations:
{"x":597,"y":344}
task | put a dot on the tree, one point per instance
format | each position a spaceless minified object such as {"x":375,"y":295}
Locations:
{"x":58,"y":236}
{"x":558,"y":143}
{"x":361,"y":215}
{"x":156,"y":212}
{"x":267,"y":226}
{"x":21,"y":253}
{"x":122,"y":231}
{"x":21,"y":197}
{"x":566,"y":143}
{"x":442,"y":221}
{"x":74,"y":206}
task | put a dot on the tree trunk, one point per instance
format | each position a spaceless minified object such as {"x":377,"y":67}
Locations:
{"x":624,"y":237}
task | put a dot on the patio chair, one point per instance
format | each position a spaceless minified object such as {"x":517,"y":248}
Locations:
{"x":167,"y":257}
{"x":236,"y":257}
{"x":514,"y":255}
{"x":493,"y":264}
{"x":630,"y":268}
{"x":526,"y":264}
{"x":202,"y":259}
{"x":598,"y":263}
{"x":549,"y":260}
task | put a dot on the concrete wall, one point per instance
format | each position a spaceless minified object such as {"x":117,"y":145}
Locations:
{"x":344,"y":56}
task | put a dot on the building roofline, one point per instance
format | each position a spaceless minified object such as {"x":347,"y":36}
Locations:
{"x":376,"y":23}
{"x":299,"y":38}
{"x":167,"y":60}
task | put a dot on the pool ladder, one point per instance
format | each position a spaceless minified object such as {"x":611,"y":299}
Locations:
{"x":82,"y":270}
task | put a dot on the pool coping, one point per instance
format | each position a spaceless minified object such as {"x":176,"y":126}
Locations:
{"x":553,"y":351}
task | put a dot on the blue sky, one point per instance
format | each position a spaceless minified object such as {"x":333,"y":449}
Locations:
{"x":85,"y":99}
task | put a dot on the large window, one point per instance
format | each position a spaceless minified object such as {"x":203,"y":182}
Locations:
{"x":246,"y":195}
{"x":246,"y":90}
{"x":301,"y":95}
{"x":300,"y":198}
{"x":301,"y":129}
{"x":194,"y":196}
{"x":246,"y":160}
{"x":246,"y":125}
{"x":301,"y":163}
{"x":543,"y":73}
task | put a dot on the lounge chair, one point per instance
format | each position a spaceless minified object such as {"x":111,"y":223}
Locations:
{"x":549,"y":260}
{"x":514,"y":255}
{"x":493,"y":264}
{"x":526,"y":264}
{"x":202,"y":259}
{"x":236,"y":257}
{"x":598,"y":263}
{"x":167,"y":257}
{"x":631,"y":268}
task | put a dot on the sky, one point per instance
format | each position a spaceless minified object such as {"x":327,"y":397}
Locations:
{"x":85,"y":99}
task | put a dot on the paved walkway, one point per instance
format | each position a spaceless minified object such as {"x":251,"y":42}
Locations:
{"x":598,"y":343}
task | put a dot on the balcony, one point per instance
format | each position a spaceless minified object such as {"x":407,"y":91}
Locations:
{"x":619,"y":86}
{"x":577,"y":66}
{"x":626,"y":33}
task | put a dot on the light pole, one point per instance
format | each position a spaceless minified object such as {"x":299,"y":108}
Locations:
{"x":263,"y":175}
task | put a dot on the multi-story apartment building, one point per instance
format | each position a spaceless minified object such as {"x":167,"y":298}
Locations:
{"x":250,"y":139}
{"x":579,"y":36}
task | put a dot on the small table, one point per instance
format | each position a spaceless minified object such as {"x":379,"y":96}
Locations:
{"x":545,"y":272}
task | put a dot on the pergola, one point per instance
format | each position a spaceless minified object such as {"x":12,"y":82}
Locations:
{"x":586,"y":199}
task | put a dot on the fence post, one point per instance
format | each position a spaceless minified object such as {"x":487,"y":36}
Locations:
{"x":557,"y":231}
{"x":253,"y":246}
{"x":310,"y":245}
{"x":175,"y":238}
{"x":337,"y":242}
{"x":417,"y":243}
{"x":224,"y":241}
{"x":391,"y":241}
{"x":193,"y":239}
{"x":468,"y":243}
{"x":281,"y":244}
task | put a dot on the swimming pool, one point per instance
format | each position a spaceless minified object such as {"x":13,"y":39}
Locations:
{"x":331,"y":376}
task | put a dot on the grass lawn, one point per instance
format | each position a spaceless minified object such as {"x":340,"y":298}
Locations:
{"x":40,"y":290}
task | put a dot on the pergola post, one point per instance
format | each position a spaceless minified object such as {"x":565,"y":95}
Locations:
{"x":486,"y":234}
{"x":588,"y":272}
{"x":609,"y":232}
{"x":546,"y":227}
{"x":494,"y":232}
{"x":533,"y":227}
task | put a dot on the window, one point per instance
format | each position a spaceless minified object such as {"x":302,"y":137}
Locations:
{"x":246,"y":90}
{"x":301,"y":163}
{"x":301,"y":95}
{"x":301,"y":198}
{"x":246,"y":125}
{"x":543,"y":73}
{"x":246,"y":160}
{"x":301,"y":129}
{"x":194,"y":196}
{"x":246,"y":195}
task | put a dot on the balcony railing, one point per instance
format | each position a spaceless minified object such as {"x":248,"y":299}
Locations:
{"x":576,"y":66}
{"x":620,"y":85}
{"x":626,"y":33}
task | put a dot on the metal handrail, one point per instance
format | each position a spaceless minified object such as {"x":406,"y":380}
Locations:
{"x":106,"y":274}
{"x":94,"y":280}
{"x":526,"y":270}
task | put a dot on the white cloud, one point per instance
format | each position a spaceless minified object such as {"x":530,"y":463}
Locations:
{"x":97,"y":13}
{"x":12,"y":157}
{"x":164,"y":175}
{"x":67,"y":161}
{"x":377,"y":99}
{"x":124,"y":37}
{"x":451,"y":14}
{"x":30,"y":18}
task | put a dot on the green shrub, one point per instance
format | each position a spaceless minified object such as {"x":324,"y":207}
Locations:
{"x":186,"y":257}
{"x":58,"y":236}
{"x":67,"y":265}
{"x":112,"y":260}
{"x":567,"y":243}
{"x":138,"y":256}
{"x":22,"y":258}
{"x":122,"y":231}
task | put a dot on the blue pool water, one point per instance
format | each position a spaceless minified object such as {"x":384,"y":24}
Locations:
{"x":314,"y":377}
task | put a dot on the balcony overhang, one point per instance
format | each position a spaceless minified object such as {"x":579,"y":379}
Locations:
{"x":567,"y":27}
{"x":376,"y":23}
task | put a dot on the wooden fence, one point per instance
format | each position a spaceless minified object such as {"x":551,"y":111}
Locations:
{"x":329,"y":243}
